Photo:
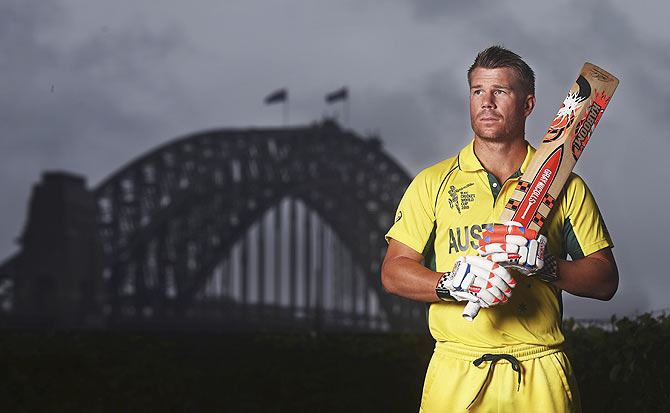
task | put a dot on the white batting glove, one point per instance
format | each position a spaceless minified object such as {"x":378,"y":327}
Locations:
{"x":478,"y":280}
{"x":517,"y":248}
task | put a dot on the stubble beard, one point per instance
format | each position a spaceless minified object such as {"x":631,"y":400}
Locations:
{"x":499,"y":134}
{"x":488,"y":134}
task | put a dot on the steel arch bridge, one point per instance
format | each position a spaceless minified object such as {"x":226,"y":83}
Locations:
{"x":254,"y":229}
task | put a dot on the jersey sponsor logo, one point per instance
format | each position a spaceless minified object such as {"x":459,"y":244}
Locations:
{"x":459,"y":198}
{"x":463,"y":238}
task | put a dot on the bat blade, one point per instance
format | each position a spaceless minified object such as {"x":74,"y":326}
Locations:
{"x":562,"y":145}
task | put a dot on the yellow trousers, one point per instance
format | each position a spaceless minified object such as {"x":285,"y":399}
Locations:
{"x":454,"y":384}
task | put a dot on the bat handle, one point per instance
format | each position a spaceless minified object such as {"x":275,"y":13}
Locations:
{"x":470,"y":311}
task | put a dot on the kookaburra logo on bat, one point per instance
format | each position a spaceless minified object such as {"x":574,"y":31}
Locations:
{"x":566,"y":113}
{"x":585,"y":126}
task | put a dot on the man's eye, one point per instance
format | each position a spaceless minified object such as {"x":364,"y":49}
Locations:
{"x":499,"y":92}
{"x":477,"y":92}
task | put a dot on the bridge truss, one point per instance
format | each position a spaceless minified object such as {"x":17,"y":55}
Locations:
{"x":253,"y":229}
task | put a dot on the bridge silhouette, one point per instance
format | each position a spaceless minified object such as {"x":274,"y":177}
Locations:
{"x":277,"y":229}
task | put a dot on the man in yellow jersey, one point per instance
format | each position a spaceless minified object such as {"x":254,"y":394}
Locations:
{"x":509,"y":358}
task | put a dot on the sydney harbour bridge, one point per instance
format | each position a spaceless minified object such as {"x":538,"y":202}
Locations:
{"x":278,"y":229}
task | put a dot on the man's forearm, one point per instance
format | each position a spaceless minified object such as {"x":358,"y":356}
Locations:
{"x":407,"y":278}
{"x":594,"y":276}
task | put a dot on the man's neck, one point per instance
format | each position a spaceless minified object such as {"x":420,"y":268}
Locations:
{"x":501,"y":158}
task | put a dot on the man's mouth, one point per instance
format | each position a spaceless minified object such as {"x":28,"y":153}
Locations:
{"x":488,"y":118}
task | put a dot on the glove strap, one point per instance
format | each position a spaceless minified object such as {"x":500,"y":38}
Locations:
{"x":549,"y":272}
{"x":441,"y":288}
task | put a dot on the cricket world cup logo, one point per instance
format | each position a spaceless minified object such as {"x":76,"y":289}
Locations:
{"x":459,"y":198}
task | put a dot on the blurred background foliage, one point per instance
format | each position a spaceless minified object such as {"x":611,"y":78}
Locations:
{"x":618,"y":370}
{"x":622,"y":370}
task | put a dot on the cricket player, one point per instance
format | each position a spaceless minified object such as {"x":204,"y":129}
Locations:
{"x":509,"y":359}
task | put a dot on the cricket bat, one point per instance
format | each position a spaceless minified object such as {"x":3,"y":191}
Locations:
{"x":569,"y":132}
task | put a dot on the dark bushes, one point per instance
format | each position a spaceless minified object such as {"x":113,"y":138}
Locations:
{"x":620,"y":370}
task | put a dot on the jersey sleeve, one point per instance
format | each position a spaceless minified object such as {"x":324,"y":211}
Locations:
{"x":584,"y":230}
{"x":415,"y":217}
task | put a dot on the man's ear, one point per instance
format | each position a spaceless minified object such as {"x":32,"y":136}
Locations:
{"x":529,"y":105}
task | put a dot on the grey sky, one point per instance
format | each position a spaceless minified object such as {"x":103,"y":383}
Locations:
{"x":88,"y":85}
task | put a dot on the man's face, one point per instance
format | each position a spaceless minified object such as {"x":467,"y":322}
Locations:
{"x":498,"y":106}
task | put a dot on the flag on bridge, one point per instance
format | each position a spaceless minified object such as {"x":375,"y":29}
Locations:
{"x":279,"y":95}
{"x":337,"y":95}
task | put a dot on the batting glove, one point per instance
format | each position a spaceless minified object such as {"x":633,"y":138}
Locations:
{"x":518,"y":248}
{"x":478,"y":280}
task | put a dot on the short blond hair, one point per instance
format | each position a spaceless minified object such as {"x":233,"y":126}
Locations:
{"x":496,"y":57}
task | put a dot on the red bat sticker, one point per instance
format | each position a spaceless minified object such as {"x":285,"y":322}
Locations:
{"x":539,"y":187}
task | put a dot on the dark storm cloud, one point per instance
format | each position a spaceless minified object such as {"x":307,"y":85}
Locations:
{"x":58,"y":99}
{"x":433,"y":9}
{"x":425,"y":122}
{"x":404,"y":121}
{"x":71,"y":107}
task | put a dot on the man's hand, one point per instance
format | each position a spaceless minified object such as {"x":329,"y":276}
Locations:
{"x":478,"y":280}
{"x":516,"y":247}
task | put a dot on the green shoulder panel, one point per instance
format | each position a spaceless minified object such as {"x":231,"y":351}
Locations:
{"x":571,"y":243}
{"x":429,"y":250}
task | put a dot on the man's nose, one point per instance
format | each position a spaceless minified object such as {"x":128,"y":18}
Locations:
{"x":488,"y":101}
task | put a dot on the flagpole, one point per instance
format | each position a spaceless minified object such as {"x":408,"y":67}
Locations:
{"x":280,"y":95}
{"x":340,"y":94}
{"x":346,"y":112}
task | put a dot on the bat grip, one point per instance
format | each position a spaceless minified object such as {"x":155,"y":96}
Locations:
{"x":470,"y":311}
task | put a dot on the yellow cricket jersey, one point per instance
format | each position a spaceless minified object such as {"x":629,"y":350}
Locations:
{"x":442,"y":216}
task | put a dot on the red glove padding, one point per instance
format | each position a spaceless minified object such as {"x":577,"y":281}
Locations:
{"x":514,"y":247}
{"x":509,"y":233}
